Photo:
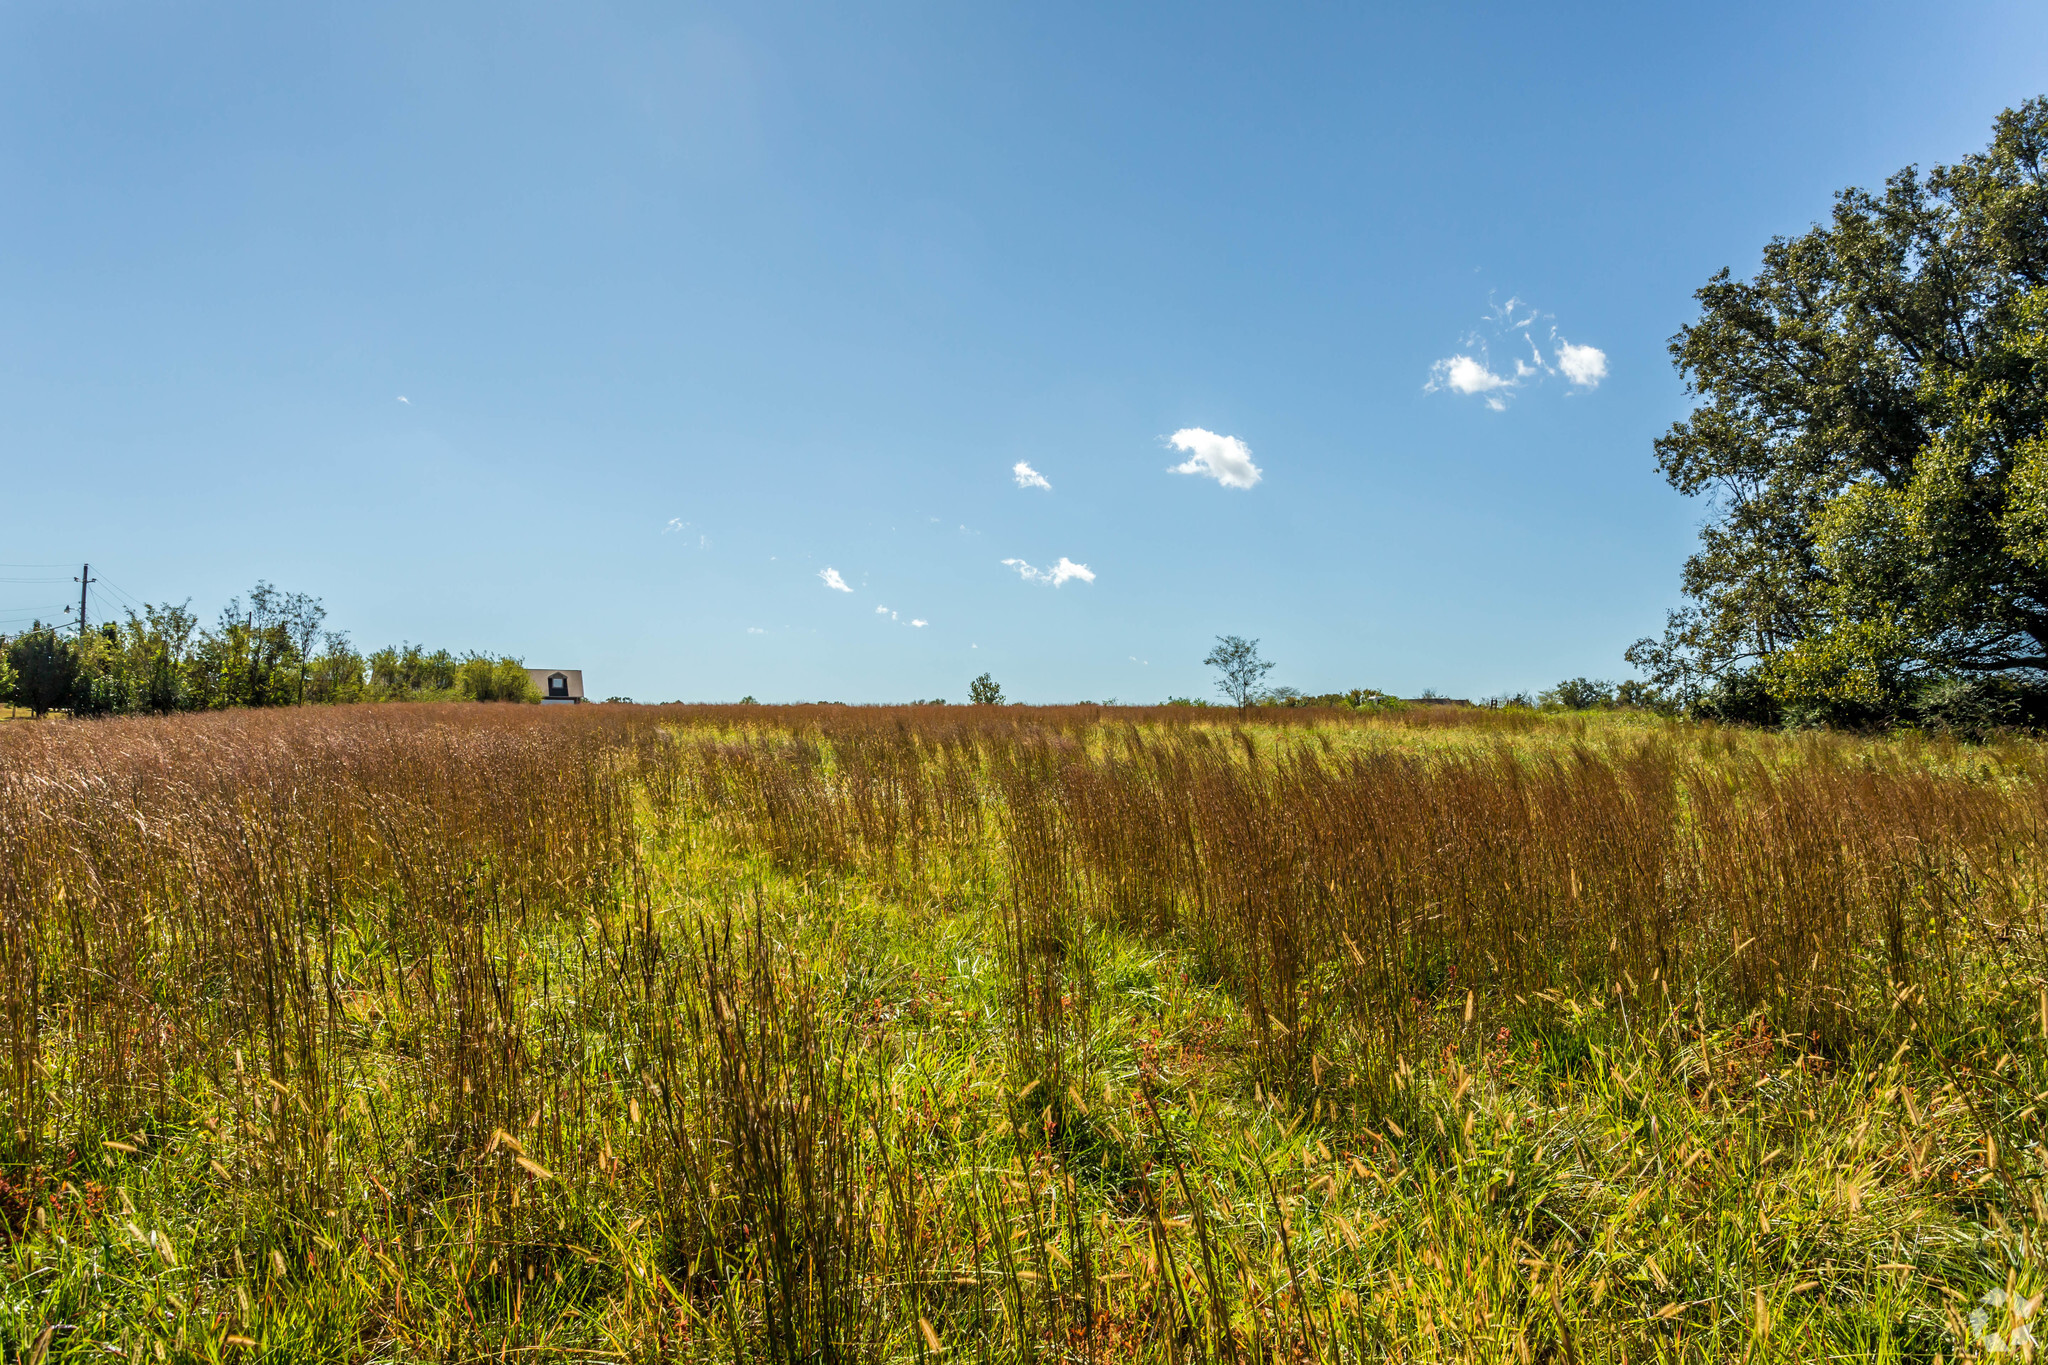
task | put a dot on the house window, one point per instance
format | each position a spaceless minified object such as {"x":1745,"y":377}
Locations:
{"x":558,"y":686}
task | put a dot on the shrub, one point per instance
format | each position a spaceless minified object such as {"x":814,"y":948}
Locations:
{"x":481,"y":678}
{"x":1579,"y":694}
{"x":1974,"y":708}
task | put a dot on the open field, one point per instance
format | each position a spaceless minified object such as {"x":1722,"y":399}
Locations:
{"x":453,"y":1033}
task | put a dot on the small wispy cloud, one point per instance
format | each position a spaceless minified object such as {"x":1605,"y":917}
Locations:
{"x":1471,"y":371}
{"x":677,"y":526}
{"x":893,"y":616}
{"x":1056,"y":575}
{"x":1222,"y":458}
{"x":1027,"y":477}
{"x":755,"y":630}
{"x":832,"y":580}
{"x":403,"y":399}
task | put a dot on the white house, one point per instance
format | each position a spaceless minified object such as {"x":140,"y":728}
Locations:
{"x":564,"y":685}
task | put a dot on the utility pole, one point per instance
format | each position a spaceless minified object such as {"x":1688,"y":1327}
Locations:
{"x":84,"y":582}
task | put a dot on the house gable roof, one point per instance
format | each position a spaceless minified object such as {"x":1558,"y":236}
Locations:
{"x":573,"y":676}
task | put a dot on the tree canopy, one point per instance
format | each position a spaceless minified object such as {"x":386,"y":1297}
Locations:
{"x":1870,"y":436}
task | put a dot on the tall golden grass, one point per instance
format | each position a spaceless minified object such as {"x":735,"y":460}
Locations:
{"x":448,"y":1027}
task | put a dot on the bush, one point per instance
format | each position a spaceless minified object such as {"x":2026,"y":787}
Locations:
{"x":1643,"y":696}
{"x":1974,"y":708}
{"x":482,"y":679}
{"x":1741,"y":698}
{"x":1357,"y":699}
{"x":335,"y":675}
{"x":1579,"y":694}
{"x":402,"y":672}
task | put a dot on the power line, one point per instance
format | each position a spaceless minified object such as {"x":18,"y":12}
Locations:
{"x":127,"y":599}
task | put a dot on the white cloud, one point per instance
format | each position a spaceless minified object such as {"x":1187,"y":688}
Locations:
{"x":1464,"y":374}
{"x":919,"y":624}
{"x":755,"y":630}
{"x":1027,"y":477}
{"x":1584,"y":366}
{"x":1222,"y":458}
{"x":1056,"y":575}
{"x":833,"y":580}
{"x":403,"y":399}
{"x":1470,"y":371}
{"x":675,"y":524}
{"x":883,"y":611}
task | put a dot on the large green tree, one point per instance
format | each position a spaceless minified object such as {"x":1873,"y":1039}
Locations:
{"x":1870,"y":437}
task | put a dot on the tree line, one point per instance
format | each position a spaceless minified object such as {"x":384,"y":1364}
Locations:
{"x":268,"y":649}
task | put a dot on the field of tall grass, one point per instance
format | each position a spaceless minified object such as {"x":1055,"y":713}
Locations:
{"x":627,"y":1033}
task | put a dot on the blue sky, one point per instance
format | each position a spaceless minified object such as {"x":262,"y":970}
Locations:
{"x":599,"y":334}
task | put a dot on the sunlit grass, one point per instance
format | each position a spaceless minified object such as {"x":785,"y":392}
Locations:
{"x":829,"y":1034}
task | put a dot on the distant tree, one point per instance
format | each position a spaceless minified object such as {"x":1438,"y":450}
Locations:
{"x":409,"y":672}
{"x":1357,"y":699}
{"x":1579,"y":694}
{"x":1642,"y":696}
{"x":251,"y":656}
{"x":101,"y":685}
{"x":335,"y":674}
{"x":985,"y":691}
{"x":514,"y":683}
{"x":385,"y":671}
{"x":300,"y":616}
{"x":1239,"y":669}
{"x":6,"y":675}
{"x":45,"y":667}
{"x":1371,"y":698}
{"x":481,"y":678}
{"x":157,"y":644}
